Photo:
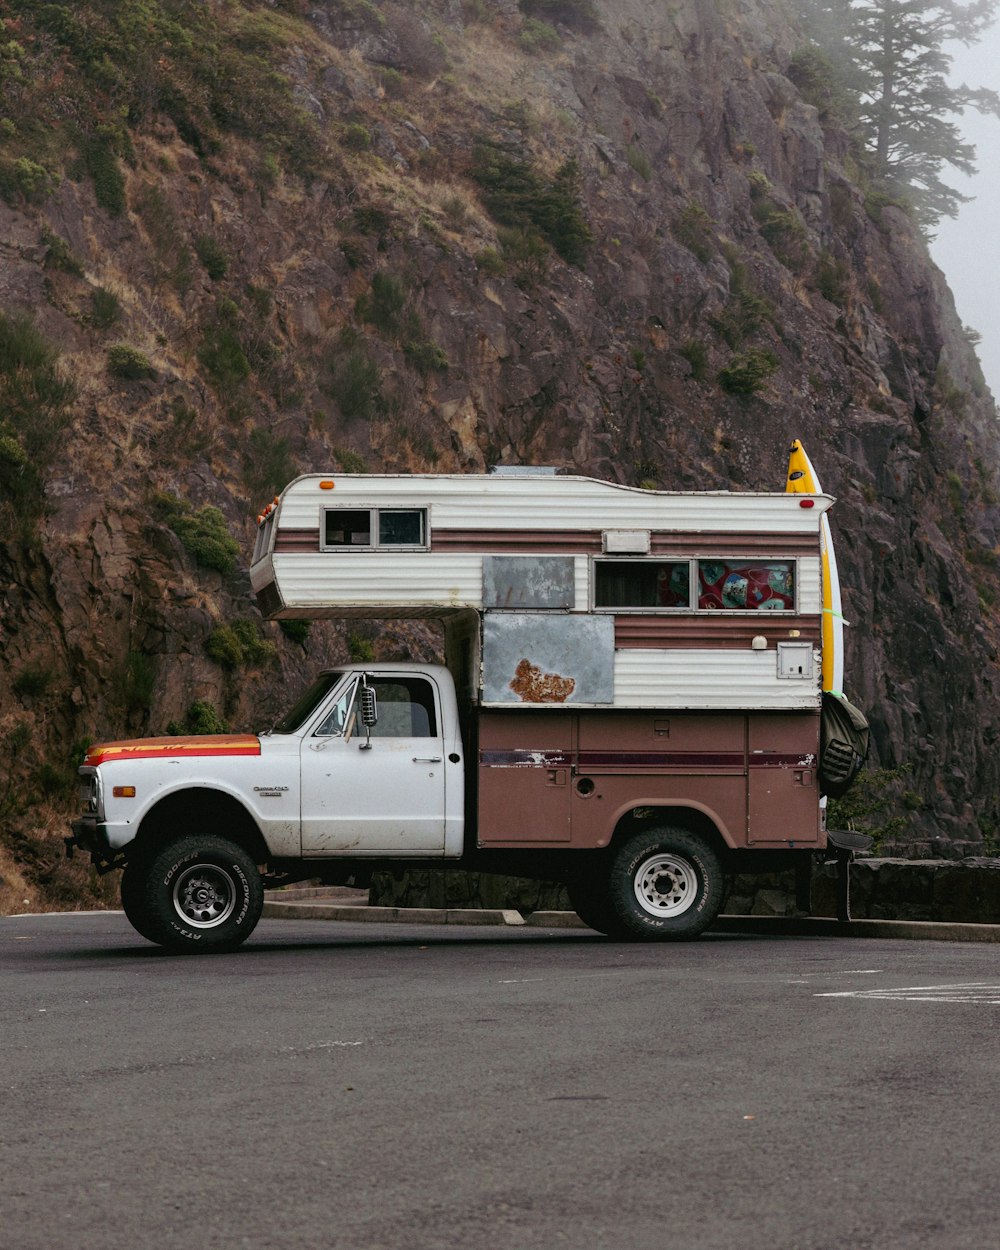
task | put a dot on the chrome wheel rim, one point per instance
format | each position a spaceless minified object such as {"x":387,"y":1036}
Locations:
{"x":204,"y":896}
{"x":666,"y":885}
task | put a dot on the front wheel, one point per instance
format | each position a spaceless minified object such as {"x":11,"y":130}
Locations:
{"x":665,"y":884}
{"x":202,"y":894}
{"x":133,"y":896}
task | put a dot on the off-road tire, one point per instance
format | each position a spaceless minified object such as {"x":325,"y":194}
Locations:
{"x":665,"y":885}
{"x":202,"y":893}
{"x":132,"y":890}
{"x":590,"y":898}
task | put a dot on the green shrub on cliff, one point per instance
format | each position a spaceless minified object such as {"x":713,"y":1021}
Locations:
{"x":129,"y":363}
{"x":748,"y":372}
{"x":24,"y":178}
{"x":35,"y":404}
{"x":239,"y":645}
{"x":518,"y":195}
{"x":202,"y":531}
{"x":200,"y":718}
{"x":538,"y":37}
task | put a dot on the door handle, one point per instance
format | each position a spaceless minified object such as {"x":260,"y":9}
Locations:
{"x":427,"y":759}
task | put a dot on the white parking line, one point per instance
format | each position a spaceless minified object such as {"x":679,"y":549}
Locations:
{"x":965,"y":992}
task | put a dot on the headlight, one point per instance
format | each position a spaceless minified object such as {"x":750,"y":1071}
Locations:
{"x":91,"y":795}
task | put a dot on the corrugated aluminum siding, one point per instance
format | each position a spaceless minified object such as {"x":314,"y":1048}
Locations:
{"x":710,"y":680}
{"x":560,"y":503}
{"x":379,"y":578}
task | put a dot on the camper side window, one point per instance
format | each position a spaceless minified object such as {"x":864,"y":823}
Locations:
{"x":642,"y":584}
{"x":747,"y":585}
{"x":732,"y":585}
{"x":401,"y":527}
{"x":263,"y":540}
{"x":374,"y":529}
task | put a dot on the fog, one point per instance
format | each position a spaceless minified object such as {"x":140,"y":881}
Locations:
{"x":967,"y":248}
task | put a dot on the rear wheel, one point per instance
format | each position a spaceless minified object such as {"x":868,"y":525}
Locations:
{"x":665,"y":884}
{"x":591,"y":900}
{"x":202,"y":894}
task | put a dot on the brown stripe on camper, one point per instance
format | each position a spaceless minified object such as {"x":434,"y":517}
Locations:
{"x":565,"y":542}
{"x":583,"y":542}
{"x":711,"y":631}
{"x":296,"y":540}
{"x":745,"y":546}
{"x":662,"y":543}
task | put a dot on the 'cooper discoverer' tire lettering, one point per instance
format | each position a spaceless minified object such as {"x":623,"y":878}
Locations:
{"x":665,"y":884}
{"x":200,"y":892}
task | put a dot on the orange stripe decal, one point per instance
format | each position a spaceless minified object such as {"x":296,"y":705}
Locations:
{"x":166,"y":748}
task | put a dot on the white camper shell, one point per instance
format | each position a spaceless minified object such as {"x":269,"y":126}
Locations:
{"x":565,"y":590}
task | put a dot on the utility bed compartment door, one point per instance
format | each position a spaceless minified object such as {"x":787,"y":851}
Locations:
{"x":525,"y":777}
{"x":782,"y":786}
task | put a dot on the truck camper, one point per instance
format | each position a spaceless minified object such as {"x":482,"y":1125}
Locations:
{"x":629,"y":703}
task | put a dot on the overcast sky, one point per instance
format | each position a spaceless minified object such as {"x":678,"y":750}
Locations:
{"x":967,"y":248}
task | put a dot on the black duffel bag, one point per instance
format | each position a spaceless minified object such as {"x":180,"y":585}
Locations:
{"x":843,"y":744}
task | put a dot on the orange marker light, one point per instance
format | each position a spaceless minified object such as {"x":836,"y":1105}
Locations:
{"x":124,"y":792}
{"x":327,"y":485}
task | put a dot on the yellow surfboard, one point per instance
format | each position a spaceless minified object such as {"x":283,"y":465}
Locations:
{"x":802,"y":480}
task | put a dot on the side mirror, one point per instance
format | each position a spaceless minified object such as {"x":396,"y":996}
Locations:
{"x":369,"y":707}
{"x":369,"y":713}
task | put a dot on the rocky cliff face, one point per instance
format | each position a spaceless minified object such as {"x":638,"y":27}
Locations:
{"x":632,"y":247}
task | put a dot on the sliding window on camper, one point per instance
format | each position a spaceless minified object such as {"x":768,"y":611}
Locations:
{"x":375,"y":529}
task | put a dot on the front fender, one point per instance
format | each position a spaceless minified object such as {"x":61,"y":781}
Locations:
{"x":167,"y":790}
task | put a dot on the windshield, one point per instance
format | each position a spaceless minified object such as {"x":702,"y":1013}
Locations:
{"x":297,"y":715}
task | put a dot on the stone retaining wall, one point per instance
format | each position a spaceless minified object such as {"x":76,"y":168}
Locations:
{"x":966,"y":890}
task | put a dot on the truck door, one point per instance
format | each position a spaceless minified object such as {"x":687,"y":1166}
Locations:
{"x":383,"y":798}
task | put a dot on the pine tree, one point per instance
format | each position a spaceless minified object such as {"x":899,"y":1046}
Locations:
{"x":890,"y":52}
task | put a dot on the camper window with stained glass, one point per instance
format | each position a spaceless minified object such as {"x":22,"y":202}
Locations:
{"x":747,"y":585}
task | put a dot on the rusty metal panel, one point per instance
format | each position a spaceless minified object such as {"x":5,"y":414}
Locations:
{"x":530,"y":658}
{"x":528,"y":582}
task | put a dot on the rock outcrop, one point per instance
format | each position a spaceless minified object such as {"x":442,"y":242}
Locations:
{"x":373,"y":299}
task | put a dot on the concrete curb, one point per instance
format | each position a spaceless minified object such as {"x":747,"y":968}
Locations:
{"x":363,"y":914}
{"x":817,"y":926}
{"x":310,"y":905}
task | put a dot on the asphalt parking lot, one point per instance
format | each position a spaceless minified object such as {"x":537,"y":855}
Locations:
{"x":372,"y":1086}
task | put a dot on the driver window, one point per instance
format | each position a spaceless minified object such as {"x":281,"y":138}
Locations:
{"x":340,"y":715}
{"x":405,"y":708}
